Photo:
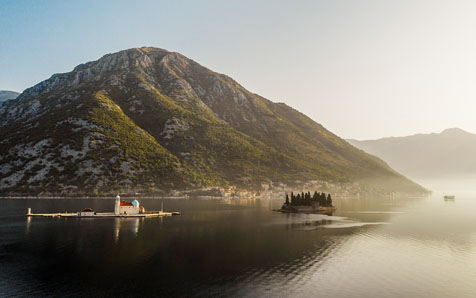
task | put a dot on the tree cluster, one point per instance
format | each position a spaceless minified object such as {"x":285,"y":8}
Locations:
{"x":305,"y":199}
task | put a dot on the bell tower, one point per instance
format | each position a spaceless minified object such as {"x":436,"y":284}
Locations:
{"x":117,"y":205}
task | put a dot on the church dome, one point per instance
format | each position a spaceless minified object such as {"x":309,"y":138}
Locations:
{"x":135,"y":203}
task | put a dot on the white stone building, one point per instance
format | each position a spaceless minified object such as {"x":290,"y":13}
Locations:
{"x":126,"y":208}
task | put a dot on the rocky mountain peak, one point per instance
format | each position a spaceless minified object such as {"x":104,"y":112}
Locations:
{"x":169,"y":72}
{"x":128,"y":59}
{"x":115,"y":66}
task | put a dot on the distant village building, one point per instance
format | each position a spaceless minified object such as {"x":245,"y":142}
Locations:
{"x":265,"y":186}
{"x":242,"y":193}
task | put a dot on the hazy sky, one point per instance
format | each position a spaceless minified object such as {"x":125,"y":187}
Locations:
{"x":363,"y":69}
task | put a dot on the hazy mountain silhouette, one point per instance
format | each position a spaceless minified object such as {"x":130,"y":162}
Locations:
{"x":451,"y":152}
{"x":7,"y":95}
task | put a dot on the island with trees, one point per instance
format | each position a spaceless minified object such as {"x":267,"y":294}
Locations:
{"x":305,"y":203}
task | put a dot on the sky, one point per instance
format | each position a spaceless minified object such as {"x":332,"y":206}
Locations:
{"x":363,"y":69}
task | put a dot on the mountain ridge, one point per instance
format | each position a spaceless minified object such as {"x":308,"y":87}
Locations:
{"x":426,"y":155}
{"x":8,"y":95}
{"x":205,"y":127}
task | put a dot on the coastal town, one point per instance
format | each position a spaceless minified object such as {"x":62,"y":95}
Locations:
{"x":277,"y":190}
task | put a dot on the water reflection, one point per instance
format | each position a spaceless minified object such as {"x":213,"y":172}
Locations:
{"x":126,"y":225}
{"x":28,"y":224}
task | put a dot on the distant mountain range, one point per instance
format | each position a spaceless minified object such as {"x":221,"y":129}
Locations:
{"x":146,"y":119}
{"x":451,"y":152}
{"x":7,"y":95}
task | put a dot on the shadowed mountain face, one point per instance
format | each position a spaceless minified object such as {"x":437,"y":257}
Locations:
{"x":451,"y":152}
{"x":7,"y":95}
{"x":147,"y":118}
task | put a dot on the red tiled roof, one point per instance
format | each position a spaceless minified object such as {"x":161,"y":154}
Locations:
{"x":87,"y":210}
{"x":124,"y":203}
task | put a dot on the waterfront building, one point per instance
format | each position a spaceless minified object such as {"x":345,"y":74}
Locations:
{"x":126,"y":208}
{"x":86,"y":212}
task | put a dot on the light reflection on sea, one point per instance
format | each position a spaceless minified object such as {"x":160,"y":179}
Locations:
{"x":422,"y":247}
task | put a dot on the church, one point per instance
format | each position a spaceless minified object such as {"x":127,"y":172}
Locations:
{"x":126,"y":208}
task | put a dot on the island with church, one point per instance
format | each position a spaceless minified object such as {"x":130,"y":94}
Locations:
{"x":121,"y":209}
{"x":305,"y":203}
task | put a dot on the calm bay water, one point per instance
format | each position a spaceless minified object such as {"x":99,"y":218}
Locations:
{"x":422,"y":247}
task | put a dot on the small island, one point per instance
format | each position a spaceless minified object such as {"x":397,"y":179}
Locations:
{"x":305,"y":203}
{"x":121,"y":209}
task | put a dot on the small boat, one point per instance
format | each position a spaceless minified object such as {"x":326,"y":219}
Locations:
{"x":449,"y":197}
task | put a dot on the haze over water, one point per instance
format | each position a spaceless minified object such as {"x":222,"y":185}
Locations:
{"x":422,"y":247}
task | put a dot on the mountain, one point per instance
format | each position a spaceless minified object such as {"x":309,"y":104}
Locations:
{"x":7,"y":95}
{"x":150,"y":119}
{"x":450,"y":152}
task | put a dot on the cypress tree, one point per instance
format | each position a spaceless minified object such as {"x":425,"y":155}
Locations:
{"x":322,"y":199}
{"x":329,"y":200}
{"x":315,"y":197}
{"x":287,"y":199}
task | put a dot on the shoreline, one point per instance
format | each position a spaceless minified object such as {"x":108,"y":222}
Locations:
{"x":112,"y":197}
{"x":90,"y":198}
